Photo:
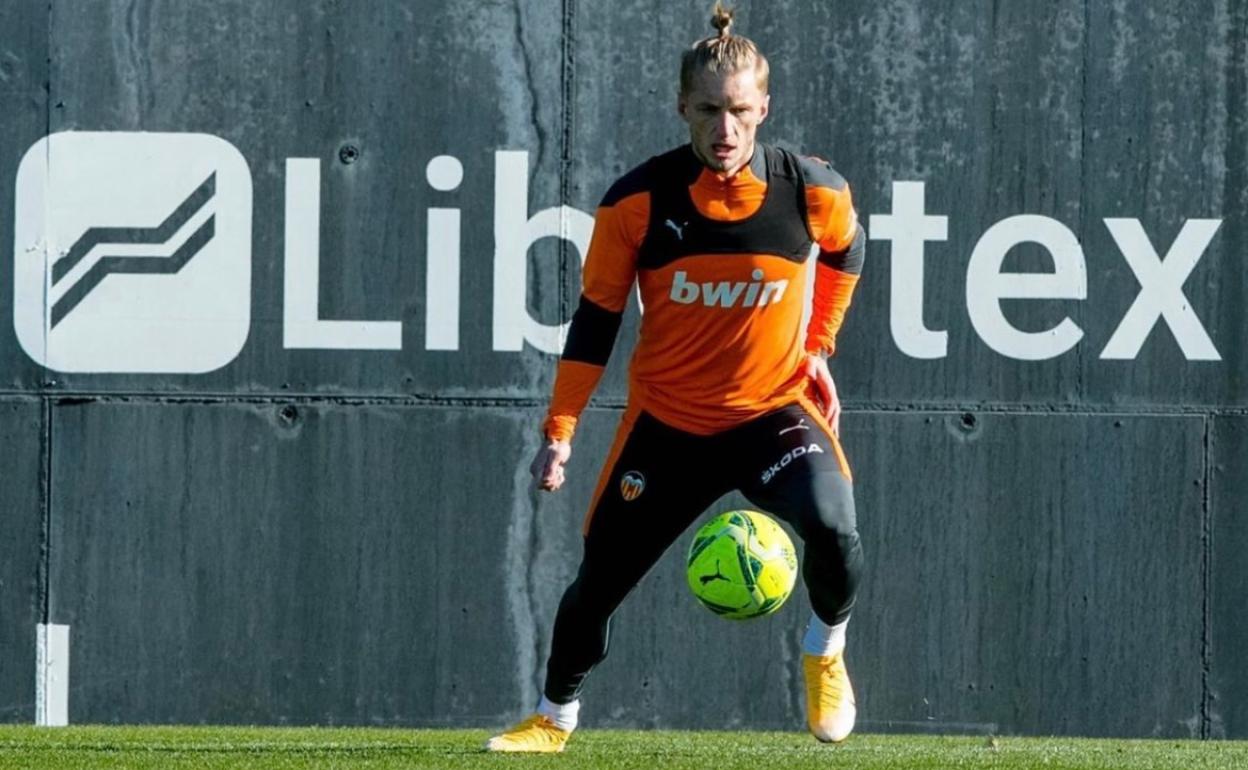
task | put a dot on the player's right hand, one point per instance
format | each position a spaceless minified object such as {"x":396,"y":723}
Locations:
{"x":547,"y":466}
{"x":825,"y":388}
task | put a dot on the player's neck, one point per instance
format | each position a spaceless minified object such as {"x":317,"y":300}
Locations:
{"x":727,"y":175}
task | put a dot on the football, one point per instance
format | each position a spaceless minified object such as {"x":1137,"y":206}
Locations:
{"x":741,"y":565}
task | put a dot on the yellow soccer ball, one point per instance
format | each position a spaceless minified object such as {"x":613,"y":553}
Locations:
{"x":741,"y":565}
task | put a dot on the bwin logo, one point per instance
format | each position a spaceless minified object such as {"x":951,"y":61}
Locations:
{"x":789,"y":457}
{"x":132,"y":252}
{"x":728,"y":293}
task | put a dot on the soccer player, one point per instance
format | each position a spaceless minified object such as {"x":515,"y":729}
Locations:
{"x":723,"y":386}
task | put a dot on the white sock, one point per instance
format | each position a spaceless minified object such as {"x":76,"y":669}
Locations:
{"x":562,"y":714}
{"x":822,"y":639}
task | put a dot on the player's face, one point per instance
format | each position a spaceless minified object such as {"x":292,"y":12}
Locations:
{"x":723,"y":113}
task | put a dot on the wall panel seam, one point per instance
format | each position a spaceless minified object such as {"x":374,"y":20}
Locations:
{"x":1206,"y":578}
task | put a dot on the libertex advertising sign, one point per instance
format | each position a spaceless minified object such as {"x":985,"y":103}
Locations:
{"x":133,"y":253}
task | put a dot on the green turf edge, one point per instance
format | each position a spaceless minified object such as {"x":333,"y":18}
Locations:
{"x":265,"y":748}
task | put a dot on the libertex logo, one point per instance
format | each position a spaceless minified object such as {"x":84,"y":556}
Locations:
{"x":132,"y":252}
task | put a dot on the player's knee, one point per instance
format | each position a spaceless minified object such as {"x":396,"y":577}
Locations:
{"x":832,"y":533}
{"x":835,"y":566}
{"x":831,"y":512}
{"x":842,"y":549}
{"x":575,"y":603}
{"x":832,"y":569}
{"x":850,"y":548}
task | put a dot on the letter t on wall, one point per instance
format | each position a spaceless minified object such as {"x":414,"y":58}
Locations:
{"x":908,"y":227}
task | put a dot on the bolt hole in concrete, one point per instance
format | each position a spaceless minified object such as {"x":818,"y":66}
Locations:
{"x":289,"y":414}
{"x":349,"y":154}
{"x":969,"y":421}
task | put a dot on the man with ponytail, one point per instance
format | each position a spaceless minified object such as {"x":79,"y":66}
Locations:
{"x":718,"y":234}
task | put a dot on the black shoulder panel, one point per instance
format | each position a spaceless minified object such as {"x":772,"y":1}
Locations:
{"x":633,"y":182}
{"x":819,"y":173}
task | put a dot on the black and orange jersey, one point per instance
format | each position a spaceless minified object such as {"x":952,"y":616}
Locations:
{"x":721,"y":268}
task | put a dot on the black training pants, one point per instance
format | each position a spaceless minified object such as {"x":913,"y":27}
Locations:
{"x":662,"y":479}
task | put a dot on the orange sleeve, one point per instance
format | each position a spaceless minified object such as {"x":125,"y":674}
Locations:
{"x":833,"y":291}
{"x":611,"y":264}
{"x":833,"y":221}
{"x":607,"y":278}
{"x":842,"y":247}
{"x":574,"y":384}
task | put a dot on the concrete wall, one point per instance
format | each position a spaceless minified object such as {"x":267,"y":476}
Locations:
{"x":246,"y":515}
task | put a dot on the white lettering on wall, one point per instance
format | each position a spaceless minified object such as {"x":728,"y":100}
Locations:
{"x":514,"y":232}
{"x":908,"y":227}
{"x":986,"y":286}
{"x":1161,"y":289}
{"x":302,"y":326}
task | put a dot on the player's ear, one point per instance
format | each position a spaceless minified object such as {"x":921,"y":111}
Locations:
{"x":762,"y":114}
{"x":681,"y":106}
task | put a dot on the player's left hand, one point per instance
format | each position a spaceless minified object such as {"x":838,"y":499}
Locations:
{"x":817,"y":370}
{"x":547,"y":465}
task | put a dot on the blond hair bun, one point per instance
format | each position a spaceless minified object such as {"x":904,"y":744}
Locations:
{"x":721,"y":19}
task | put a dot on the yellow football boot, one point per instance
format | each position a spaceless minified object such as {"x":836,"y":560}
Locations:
{"x":830,"y":709}
{"x":537,"y":734}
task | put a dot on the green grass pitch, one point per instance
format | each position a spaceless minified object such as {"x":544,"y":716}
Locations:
{"x":260,"y":748}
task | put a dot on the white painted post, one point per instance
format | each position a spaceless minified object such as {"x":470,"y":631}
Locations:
{"x":52,"y":675}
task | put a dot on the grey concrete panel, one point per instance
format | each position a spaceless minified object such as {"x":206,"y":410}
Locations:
{"x":945,"y":94}
{"x":1031,"y":574}
{"x":1013,"y":606}
{"x":1164,"y":143}
{"x":1009,"y":581}
{"x":304,"y":564}
{"x":21,"y":606}
{"x":1038,"y":110}
{"x":1228,"y":678}
{"x":23,"y":120}
{"x":401,"y":83}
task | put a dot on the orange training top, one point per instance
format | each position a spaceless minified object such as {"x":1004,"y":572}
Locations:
{"x":721,"y":267}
